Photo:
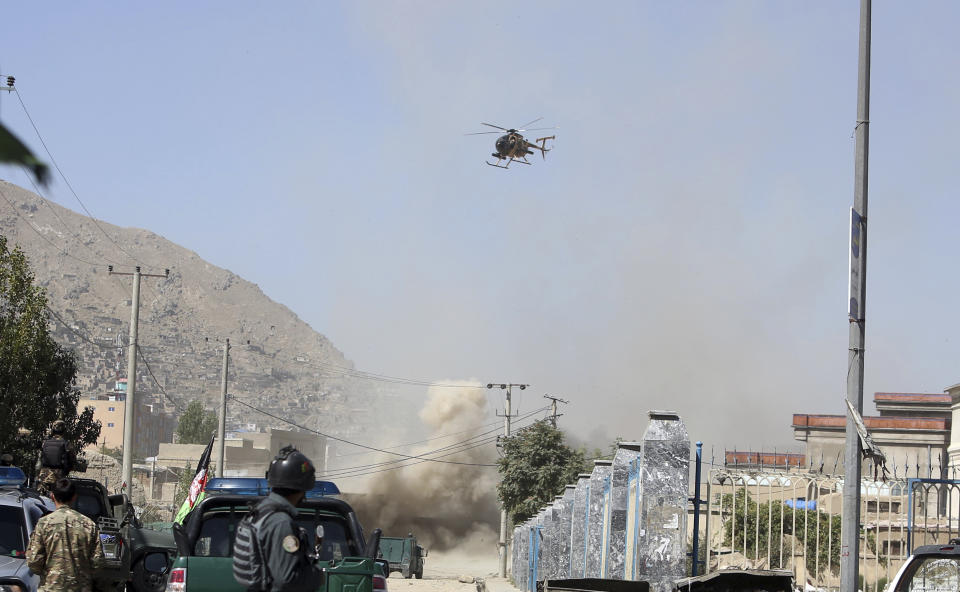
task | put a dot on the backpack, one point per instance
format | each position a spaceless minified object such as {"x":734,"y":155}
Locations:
{"x":54,"y":454}
{"x":249,"y":561}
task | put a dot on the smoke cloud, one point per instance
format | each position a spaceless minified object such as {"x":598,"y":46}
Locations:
{"x":446,"y":506}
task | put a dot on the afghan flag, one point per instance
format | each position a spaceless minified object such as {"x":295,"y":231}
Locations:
{"x":198,"y":486}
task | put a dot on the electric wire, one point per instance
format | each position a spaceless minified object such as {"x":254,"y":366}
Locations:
{"x":362,"y":474}
{"x":333,"y":473}
{"x":361,"y":374}
{"x":344,"y":440}
{"x":74,"y":331}
{"x":464,"y":444}
{"x":64,"y":177}
{"x":43,"y":236}
{"x":486,"y":425}
{"x":157,"y":382}
{"x":76,"y":235}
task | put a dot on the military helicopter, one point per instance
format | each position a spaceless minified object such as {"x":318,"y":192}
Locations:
{"x":513,"y":147}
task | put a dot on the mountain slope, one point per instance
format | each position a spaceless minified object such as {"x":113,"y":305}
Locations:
{"x":286,"y":368}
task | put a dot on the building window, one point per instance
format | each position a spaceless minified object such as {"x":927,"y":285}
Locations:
{"x":110,"y":425}
{"x":111,"y":408}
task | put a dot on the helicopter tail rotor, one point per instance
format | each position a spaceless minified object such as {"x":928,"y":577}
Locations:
{"x":543,"y":145}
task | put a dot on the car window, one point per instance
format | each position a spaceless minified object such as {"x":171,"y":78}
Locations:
{"x":220,"y":526}
{"x":934,"y":574}
{"x":336,"y":545}
{"x":216,"y":536}
{"x":89,"y":505}
{"x":13,"y":535}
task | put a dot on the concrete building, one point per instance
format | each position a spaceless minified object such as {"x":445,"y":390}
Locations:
{"x":153,"y":425}
{"x":913,"y":430}
{"x":246,"y":454}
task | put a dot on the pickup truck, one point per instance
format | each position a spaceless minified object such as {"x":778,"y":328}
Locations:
{"x":204,"y":541}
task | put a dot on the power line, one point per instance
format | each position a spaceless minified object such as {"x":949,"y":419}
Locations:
{"x":464,"y":444}
{"x":157,"y":382}
{"x":76,"y":235}
{"x":486,"y":425}
{"x":361,"y":474}
{"x":43,"y":236}
{"x":64,"y":177}
{"x":74,"y":331}
{"x":331,"y":437}
{"x":460,"y":447}
{"x":353,"y":372}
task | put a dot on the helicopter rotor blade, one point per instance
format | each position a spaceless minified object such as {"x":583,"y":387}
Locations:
{"x":537,"y":129}
{"x":480,"y":133}
{"x":531,"y":122}
{"x":496,"y":126}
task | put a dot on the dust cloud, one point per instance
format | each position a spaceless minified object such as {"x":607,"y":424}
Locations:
{"x":446,"y":506}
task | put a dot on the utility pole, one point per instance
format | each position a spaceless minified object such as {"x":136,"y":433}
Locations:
{"x":129,"y":415}
{"x":222,"y":429}
{"x":850,"y":515}
{"x":502,"y":545}
{"x":553,"y":408}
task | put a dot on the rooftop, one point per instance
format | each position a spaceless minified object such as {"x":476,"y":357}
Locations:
{"x":806,"y":420}
{"x":941,"y":398}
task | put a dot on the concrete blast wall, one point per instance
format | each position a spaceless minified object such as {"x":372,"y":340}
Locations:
{"x":664,"y":466}
{"x":599,"y":492}
{"x":614,"y":566}
{"x":625,"y":520}
{"x":578,"y":526}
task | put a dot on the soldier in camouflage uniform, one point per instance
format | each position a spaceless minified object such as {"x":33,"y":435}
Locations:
{"x":48,"y":474}
{"x":64,"y":549}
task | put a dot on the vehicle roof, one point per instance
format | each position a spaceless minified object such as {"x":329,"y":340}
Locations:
{"x":12,"y":496}
{"x":947,"y":549}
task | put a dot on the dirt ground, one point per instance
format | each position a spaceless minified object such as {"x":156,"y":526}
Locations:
{"x":442,"y":572}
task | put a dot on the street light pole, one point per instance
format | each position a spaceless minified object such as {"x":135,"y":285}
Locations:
{"x":850,"y":513}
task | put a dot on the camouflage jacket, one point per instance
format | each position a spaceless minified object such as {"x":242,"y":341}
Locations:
{"x":65,"y":551}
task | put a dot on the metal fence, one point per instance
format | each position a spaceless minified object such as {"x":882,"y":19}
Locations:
{"x":790,"y":520}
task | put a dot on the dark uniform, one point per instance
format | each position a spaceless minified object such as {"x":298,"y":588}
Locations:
{"x":50,"y":472}
{"x":281,"y":541}
{"x":65,"y":551}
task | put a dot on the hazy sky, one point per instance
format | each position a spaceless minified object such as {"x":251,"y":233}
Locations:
{"x":683,"y":247}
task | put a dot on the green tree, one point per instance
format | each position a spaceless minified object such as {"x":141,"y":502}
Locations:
{"x":183,"y":486}
{"x":37,"y":376}
{"x":742,"y":518}
{"x":535,"y":467}
{"x":196,"y":425}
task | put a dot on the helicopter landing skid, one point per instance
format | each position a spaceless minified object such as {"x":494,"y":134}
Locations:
{"x":506,"y":166}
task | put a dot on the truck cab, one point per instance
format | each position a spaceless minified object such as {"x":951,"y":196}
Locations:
{"x":204,"y":541}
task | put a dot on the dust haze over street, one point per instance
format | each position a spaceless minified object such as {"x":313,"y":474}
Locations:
{"x":683,"y":242}
{"x":683,"y":245}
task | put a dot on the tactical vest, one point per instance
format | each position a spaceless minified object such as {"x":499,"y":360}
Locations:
{"x":249,"y":562}
{"x":54,"y":454}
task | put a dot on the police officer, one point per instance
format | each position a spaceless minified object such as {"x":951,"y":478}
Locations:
{"x":57,"y":458}
{"x":284,"y":565}
{"x":64,"y":548}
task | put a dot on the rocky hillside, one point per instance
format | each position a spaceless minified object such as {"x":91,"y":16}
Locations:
{"x":278,"y":362}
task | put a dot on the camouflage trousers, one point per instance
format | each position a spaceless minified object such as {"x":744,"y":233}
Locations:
{"x":46,"y":478}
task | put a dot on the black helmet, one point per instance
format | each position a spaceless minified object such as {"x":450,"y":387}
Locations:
{"x":291,"y":469}
{"x":59,"y":427}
